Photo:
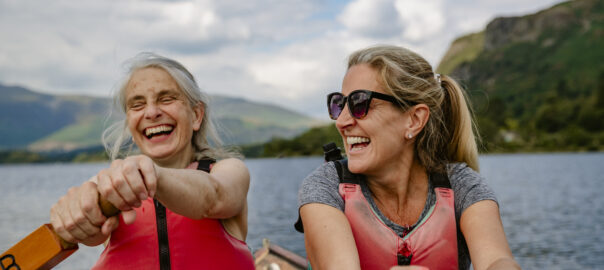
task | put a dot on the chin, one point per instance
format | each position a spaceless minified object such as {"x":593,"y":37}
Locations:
{"x":355,"y":167}
{"x":157,"y":153}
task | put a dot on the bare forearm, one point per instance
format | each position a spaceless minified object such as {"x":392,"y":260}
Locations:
{"x":328,"y":238}
{"x":504,"y":264}
{"x":187,"y":192}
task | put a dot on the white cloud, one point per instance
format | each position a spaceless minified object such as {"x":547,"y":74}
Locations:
{"x":372,"y":18}
{"x":267,"y":50}
{"x":299,"y":70}
{"x":422,"y":18}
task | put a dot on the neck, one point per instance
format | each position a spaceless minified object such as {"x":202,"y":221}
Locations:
{"x":401,"y":182}
{"x":401,"y":193}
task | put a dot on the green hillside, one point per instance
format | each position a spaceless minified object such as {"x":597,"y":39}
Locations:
{"x":463,"y":49}
{"x":537,"y":81}
{"x":42,"y":122}
{"x":246,"y":122}
{"x":309,"y":143}
{"x":27,"y":116}
{"x":258,"y":113}
{"x":83,"y":133}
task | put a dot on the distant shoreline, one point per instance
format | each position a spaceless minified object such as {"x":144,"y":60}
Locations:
{"x":82,"y":156}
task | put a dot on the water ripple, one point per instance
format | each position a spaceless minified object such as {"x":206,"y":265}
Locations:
{"x":551,"y":205}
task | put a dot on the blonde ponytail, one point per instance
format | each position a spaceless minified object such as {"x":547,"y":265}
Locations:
{"x":459,"y":121}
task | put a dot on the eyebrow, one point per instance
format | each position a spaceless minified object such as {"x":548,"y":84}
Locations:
{"x":161,"y":93}
{"x":166,"y":92}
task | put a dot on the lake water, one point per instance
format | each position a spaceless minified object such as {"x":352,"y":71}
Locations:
{"x":552,"y":205}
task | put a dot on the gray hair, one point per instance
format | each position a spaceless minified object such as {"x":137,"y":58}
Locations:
{"x":449,"y":134}
{"x":206,"y":143}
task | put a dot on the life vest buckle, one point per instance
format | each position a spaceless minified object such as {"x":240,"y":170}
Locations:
{"x":445,"y":192}
{"x":349,"y":187}
{"x":404,"y":254}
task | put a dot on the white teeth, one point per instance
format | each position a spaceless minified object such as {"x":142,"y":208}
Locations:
{"x":158,"y":129}
{"x":355,"y":140}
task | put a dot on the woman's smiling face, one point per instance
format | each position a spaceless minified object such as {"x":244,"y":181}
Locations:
{"x":159,"y":116}
{"x":377,"y":138}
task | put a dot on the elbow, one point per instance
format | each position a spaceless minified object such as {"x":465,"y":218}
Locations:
{"x":218,"y":204}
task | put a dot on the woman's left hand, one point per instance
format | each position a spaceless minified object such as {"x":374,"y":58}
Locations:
{"x":128,"y":182}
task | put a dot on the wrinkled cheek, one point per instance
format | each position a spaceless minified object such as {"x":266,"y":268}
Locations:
{"x":134,"y":133}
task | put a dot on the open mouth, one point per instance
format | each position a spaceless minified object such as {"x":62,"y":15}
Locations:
{"x":357,"y":143}
{"x":158,"y":131}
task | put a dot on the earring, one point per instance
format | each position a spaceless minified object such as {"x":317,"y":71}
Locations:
{"x":409,"y":136}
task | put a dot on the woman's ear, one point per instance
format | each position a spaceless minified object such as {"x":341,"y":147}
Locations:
{"x":198,"y":112}
{"x":418,"y":117}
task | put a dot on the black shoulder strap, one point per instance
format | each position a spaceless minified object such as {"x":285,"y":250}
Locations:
{"x":204,"y":164}
{"x":440,"y":180}
{"x":345,"y":175}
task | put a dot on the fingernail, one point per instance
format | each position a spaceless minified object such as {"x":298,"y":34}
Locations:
{"x":152,"y":194}
{"x":142,"y":196}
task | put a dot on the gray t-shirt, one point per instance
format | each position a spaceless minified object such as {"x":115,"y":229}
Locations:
{"x":469,"y":187}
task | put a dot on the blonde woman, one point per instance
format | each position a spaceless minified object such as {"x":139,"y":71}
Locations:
{"x":409,"y":192}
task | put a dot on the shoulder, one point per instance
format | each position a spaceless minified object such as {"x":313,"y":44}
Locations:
{"x":324,"y":174}
{"x":231,"y":166}
{"x":321,"y":186}
{"x":230,"y":163}
{"x":461,"y":175}
{"x":468,"y":185}
{"x":461,"y":170}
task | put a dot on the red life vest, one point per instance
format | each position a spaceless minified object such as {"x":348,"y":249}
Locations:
{"x":433,"y":242}
{"x":192,"y":244}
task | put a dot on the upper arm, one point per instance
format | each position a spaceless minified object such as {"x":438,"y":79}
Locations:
{"x":328,"y":238}
{"x":232,"y":180}
{"x":483,"y":231}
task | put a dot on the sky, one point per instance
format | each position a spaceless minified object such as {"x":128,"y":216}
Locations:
{"x":284,"y":52}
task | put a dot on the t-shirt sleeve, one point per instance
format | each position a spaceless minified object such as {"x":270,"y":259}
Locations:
{"x":469,"y":187}
{"x":321,"y":186}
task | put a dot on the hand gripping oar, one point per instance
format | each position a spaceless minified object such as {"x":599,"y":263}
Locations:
{"x":43,"y":248}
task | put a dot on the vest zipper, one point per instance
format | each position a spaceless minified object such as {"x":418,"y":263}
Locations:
{"x":162,"y":235}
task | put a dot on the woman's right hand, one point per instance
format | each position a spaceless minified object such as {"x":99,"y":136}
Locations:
{"x":128,"y":182}
{"x":77,"y":217}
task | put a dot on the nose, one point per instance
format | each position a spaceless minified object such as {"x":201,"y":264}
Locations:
{"x":345,"y":119}
{"x":152,"y":111}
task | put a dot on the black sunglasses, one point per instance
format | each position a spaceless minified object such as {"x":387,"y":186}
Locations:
{"x":358,"y":102}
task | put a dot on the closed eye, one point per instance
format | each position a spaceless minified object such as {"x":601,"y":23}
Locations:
{"x":167,"y":99}
{"x":136,"y":106}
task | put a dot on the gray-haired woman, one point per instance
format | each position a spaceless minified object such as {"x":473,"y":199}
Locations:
{"x":180,"y":207}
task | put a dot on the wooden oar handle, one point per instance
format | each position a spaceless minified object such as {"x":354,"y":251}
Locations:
{"x":107,"y":208}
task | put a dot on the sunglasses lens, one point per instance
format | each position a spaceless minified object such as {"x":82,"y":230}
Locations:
{"x":359,"y":103}
{"x":336,"y":104}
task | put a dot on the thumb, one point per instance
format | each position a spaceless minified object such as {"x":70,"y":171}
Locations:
{"x":110,"y":225}
{"x":129,"y":216}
